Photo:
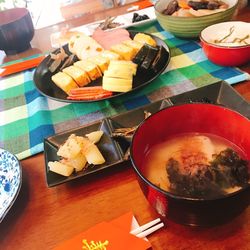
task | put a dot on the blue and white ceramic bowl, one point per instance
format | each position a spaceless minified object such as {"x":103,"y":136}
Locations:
{"x":10,"y":181}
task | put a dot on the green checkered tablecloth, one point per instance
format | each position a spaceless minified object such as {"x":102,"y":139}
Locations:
{"x":27,"y":117}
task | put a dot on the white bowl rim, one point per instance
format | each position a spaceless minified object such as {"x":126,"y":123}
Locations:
{"x":234,"y":4}
{"x":222,"y":46}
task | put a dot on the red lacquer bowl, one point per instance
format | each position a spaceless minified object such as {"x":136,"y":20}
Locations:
{"x":226,"y":53}
{"x":197,"y":118}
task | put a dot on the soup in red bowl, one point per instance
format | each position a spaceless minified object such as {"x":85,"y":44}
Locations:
{"x":192,"y":163}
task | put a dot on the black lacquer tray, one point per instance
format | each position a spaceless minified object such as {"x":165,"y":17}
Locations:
{"x":115,"y":150}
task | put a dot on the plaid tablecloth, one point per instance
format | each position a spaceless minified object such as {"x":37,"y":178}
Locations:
{"x":27,"y":117}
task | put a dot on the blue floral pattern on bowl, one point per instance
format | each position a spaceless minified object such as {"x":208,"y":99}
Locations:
{"x":10,"y":181}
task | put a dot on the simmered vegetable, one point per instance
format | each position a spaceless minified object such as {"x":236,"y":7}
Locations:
{"x":191,"y":8}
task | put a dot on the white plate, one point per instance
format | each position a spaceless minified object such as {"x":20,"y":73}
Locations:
{"x":150,"y":12}
{"x":10,"y":181}
{"x":125,"y":20}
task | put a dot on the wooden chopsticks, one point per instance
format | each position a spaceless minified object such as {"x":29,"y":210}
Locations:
{"x":20,"y":66}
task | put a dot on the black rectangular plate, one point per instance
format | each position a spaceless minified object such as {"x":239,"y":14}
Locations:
{"x":114,"y":150}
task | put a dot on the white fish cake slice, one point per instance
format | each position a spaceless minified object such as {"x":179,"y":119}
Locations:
{"x":85,"y":47}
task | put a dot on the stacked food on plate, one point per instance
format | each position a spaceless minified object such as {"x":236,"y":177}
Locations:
{"x":111,"y":55}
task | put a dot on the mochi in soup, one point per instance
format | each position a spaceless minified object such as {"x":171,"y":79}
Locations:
{"x":197,"y":166}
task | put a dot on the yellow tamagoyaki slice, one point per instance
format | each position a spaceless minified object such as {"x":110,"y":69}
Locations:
{"x":127,"y":53}
{"x":79,"y":75}
{"x":100,"y":61}
{"x":135,"y":45}
{"x":110,"y":55}
{"x":60,"y":168}
{"x":92,"y":69}
{"x":64,"y":81}
{"x":123,"y":63}
{"x":116,"y":84}
{"x":143,"y":38}
{"x":119,"y":72}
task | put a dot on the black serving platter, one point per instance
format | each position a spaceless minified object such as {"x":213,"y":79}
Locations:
{"x":115,"y":150}
{"x":44,"y":84}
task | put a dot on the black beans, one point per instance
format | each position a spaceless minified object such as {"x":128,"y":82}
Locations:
{"x":138,"y":18}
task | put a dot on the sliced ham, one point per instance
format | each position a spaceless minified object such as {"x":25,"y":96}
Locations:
{"x":112,"y":37}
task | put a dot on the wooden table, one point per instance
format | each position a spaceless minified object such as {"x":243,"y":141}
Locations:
{"x":42,"y":217}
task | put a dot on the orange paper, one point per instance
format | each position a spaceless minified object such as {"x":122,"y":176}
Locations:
{"x":144,"y":4}
{"x":124,"y":222}
{"x":20,"y":66}
{"x":112,"y":235}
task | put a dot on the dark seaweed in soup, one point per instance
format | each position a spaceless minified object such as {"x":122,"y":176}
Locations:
{"x":226,"y":171}
{"x":197,"y":166}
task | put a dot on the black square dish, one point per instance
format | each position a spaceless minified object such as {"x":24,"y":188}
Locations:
{"x":114,"y":149}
